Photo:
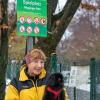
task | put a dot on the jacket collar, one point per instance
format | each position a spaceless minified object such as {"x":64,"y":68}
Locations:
{"x":24,"y":77}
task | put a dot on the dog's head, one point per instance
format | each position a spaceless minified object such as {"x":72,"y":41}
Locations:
{"x":56,"y":81}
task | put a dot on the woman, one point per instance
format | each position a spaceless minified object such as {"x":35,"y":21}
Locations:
{"x":30,"y":83}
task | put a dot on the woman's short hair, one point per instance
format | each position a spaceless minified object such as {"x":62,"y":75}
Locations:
{"x":38,"y":54}
{"x":35,"y":54}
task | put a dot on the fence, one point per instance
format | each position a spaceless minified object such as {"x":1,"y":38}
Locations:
{"x":93,"y":93}
{"x":75,"y":93}
{"x":95,"y":79}
{"x":13,"y":68}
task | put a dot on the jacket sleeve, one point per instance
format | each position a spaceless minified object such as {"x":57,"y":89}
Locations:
{"x":11,"y":93}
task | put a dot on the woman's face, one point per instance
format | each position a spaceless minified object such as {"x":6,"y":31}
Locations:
{"x":35,"y":67}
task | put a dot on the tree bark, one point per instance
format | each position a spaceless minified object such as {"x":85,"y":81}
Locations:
{"x":51,"y":6}
{"x":3,"y":49}
{"x":61,"y":22}
{"x":48,"y":44}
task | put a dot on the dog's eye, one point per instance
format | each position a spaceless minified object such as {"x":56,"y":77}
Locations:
{"x":59,"y":79}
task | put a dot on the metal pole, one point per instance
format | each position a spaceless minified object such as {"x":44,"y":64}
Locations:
{"x":30,"y":43}
{"x":54,"y":62}
{"x":74,"y":93}
{"x":92,"y":79}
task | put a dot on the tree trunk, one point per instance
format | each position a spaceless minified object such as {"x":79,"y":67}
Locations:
{"x":3,"y":49}
{"x":51,"y":6}
{"x":3,"y":62}
{"x":49,"y":44}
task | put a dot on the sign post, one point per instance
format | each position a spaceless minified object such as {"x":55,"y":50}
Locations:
{"x":32,"y":18}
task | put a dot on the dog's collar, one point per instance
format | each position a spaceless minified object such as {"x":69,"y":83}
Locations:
{"x":55,"y":92}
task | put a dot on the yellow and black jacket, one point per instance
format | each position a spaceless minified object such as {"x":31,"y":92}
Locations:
{"x":24,"y":88}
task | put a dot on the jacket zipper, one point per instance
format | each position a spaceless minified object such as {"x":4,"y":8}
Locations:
{"x":35,"y":84}
{"x":36,"y":87}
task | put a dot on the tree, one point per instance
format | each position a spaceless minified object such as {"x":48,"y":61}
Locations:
{"x":59,"y":23}
{"x":4,"y":46}
{"x":84,"y":42}
{"x":56,"y":27}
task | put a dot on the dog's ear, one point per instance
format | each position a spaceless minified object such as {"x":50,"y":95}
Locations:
{"x":52,"y":77}
{"x":59,"y":78}
{"x":51,"y":80}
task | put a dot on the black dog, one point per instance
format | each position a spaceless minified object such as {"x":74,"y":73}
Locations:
{"x":54,"y":89}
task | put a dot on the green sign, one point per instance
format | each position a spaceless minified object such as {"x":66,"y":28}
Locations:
{"x":32,"y":17}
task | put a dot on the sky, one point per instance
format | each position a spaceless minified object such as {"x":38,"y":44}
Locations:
{"x":61,"y":2}
{"x":11,"y":0}
{"x":60,"y":5}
